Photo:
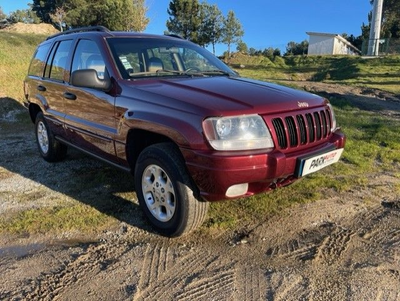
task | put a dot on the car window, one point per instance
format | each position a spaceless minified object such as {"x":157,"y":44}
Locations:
{"x":37,"y":64}
{"x":167,"y":59}
{"x":146,"y":57}
{"x":49,"y":60}
{"x":59,"y":62}
{"x":194,"y":60}
{"x":88,"y":56}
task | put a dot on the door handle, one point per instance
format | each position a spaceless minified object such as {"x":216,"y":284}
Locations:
{"x":69,"y":96}
{"x":41,"y":88}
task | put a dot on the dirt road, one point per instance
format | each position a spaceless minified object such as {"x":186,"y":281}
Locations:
{"x":345,"y":246}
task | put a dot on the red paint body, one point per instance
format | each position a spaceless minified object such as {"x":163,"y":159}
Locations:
{"x":175,"y":108}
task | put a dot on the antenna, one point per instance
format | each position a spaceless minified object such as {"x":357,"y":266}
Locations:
{"x":375,"y":32}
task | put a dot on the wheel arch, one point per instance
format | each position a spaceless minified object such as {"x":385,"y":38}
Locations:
{"x":138,"y":140}
{"x":34,"y":109}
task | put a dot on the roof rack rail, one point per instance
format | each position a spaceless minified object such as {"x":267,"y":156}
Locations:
{"x":81,"y":29}
{"x":174,"y":35}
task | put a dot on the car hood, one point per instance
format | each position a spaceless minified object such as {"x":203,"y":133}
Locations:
{"x":222,"y":95}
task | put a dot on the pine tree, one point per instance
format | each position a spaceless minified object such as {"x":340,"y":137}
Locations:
{"x":184,"y":19}
{"x":211,"y":28}
{"x":232,"y":32}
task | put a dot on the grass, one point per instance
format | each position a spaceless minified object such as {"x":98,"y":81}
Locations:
{"x":77,"y":217}
{"x":378,"y":73}
{"x":16,"y":51}
{"x":373,"y":144}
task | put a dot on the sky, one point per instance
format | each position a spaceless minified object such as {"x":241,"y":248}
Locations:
{"x":267,"y":23}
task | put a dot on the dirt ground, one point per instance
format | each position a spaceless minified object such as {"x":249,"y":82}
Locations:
{"x":42,"y":28}
{"x":342,"y":247}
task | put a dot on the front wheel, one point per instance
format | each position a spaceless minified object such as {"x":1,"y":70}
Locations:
{"x":166,"y":192}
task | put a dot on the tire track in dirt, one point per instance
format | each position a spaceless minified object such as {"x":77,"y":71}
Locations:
{"x":155,"y":264}
{"x":287,"y":287}
{"x":50,"y":286}
{"x":250,"y":284}
{"x":191,"y":276}
{"x":208,"y":286}
{"x":333,"y":246}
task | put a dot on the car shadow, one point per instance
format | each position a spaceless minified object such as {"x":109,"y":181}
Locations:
{"x":78,"y":177}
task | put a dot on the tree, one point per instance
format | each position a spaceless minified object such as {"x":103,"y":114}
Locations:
{"x":242,"y":47}
{"x":277,"y":52}
{"x":24,"y":16}
{"x":211,"y":25}
{"x":2,"y":14}
{"x":43,"y":9}
{"x":355,"y":41}
{"x":232,"y":32}
{"x":139,"y":20}
{"x":184,"y":18}
{"x":294,"y":48}
{"x":114,"y":14}
{"x":268,"y":52}
{"x":390,"y":21}
{"x":58,"y":17}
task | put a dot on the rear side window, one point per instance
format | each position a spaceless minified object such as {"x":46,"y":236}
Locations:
{"x":37,"y":64}
{"x":59,"y":63}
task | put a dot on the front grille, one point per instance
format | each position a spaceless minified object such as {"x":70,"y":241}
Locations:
{"x":280,"y":132}
{"x":295,"y":130}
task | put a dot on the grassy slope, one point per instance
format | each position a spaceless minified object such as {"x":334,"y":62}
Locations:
{"x":373,"y":142}
{"x":16,"y":51}
{"x":379,"y":73}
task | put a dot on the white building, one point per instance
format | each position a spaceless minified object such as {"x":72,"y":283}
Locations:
{"x":330,"y":44}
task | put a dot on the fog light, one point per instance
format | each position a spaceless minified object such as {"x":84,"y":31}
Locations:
{"x":237,"y":190}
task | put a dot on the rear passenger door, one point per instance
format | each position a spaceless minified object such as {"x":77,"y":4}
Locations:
{"x":52,"y":86}
{"x":89,"y":120}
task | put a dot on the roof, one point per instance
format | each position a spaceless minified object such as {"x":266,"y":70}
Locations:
{"x":334,"y":35}
{"x":101,"y":30}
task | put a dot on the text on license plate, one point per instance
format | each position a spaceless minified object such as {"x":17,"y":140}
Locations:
{"x":320,"y":161}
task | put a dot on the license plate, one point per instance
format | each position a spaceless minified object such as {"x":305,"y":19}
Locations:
{"x":318,"y":162}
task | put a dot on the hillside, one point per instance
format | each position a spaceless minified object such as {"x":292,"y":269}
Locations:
{"x":378,"y":73}
{"x":16,"y":50}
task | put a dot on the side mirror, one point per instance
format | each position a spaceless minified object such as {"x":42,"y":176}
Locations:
{"x":88,"y":78}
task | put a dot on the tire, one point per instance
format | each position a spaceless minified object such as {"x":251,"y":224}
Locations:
{"x":166,"y":192}
{"x":49,"y":148}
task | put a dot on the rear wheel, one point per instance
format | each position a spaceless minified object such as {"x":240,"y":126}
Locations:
{"x":165,"y":191}
{"x":49,"y":148}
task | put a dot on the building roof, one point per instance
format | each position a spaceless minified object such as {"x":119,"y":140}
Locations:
{"x":334,"y":35}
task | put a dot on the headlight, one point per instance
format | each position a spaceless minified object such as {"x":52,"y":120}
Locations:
{"x":246,"y":132}
{"x":334,"y":125}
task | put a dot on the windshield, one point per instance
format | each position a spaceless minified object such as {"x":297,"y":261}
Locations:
{"x":149,"y":57}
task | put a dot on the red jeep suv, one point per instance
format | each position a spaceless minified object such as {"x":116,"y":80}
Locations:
{"x":183,"y":123}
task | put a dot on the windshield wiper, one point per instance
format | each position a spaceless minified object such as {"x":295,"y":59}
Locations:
{"x":161,"y":72}
{"x":217,"y":71}
{"x":190,"y":73}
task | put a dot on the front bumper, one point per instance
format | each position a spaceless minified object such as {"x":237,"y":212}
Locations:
{"x":214,"y":172}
